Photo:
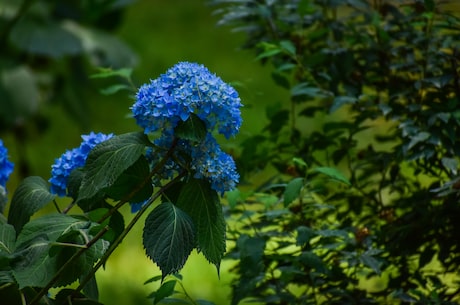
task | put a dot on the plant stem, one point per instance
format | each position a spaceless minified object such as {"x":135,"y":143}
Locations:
{"x":125,"y":232}
{"x":63,"y":268}
{"x":141,"y":185}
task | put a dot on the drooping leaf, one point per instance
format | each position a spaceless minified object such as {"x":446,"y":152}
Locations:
{"x":30,"y":196}
{"x":292,"y":190}
{"x":169,"y":237}
{"x":370,"y":262}
{"x":333,"y":173}
{"x":166,"y":289}
{"x":202,"y":203}
{"x":192,"y":129}
{"x":108,"y":160}
{"x":34,"y":267}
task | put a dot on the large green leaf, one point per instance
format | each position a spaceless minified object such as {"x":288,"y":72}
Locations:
{"x":30,"y":196}
{"x":169,"y":237}
{"x":7,"y":238}
{"x":34,"y":266}
{"x":45,"y":38}
{"x":19,"y":95}
{"x":129,"y":182}
{"x":108,"y":160}
{"x":198,"y":200}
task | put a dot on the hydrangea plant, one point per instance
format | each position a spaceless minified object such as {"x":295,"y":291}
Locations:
{"x":174,"y":164}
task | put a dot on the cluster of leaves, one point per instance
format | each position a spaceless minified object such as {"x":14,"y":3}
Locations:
{"x":57,"y":249}
{"x":374,"y":90}
{"x":47,"y":50}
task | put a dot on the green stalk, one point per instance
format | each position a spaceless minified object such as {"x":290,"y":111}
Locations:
{"x":77,"y":254}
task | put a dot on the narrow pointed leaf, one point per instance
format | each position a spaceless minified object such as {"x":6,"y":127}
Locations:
{"x":30,"y":196}
{"x":169,"y":237}
{"x":108,"y":160}
{"x":292,"y":190}
{"x":198,"y":200}
{"x":333,"y":173}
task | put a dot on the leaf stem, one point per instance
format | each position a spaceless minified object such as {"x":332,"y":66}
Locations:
{"x":125,"y":232}
{"x":141,"y":185}
{"x":63,"y":268}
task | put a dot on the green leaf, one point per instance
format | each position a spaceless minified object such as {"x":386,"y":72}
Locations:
{"x":45,"y":38}
{"x":339,"y":101}
{"x":109,"y":72}
{"x":202,"y":204}
{"x":169,"y":237}
{"x":289,"y":47}
{"x":165,"y":290}
{"x":69,"y":296}
{"x":34,"y":267}
{"x":19,"y":95}
{"x":30,"y":196}
{"x":312,"y":260}
{"x":292,"y":190}
{"x":193,"y":129}
{"x":7,"y":243}
{"x":114,"y":89}
{"x":333,"y":173}
{"x":419,"y":137}
{"x":131,"y":179}
{"x":108,"y":160}
{"x":451,"y":164}
{"x":370,"y":262}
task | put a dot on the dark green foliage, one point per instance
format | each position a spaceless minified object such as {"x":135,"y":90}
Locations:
{"x":374,"y":90}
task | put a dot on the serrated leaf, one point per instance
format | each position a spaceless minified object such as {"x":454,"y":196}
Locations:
{"x":333,"y":173}
{"x":130,"y":180}
{"x":292,"y":190}
{"x":166,"y":289}
{"x":192,"y":129}
{"x":30,"y":196}
{"x":169,"y":237}
{"x":202,"y":203}
{"x":34,"y":267}
{"x":108,"y":160}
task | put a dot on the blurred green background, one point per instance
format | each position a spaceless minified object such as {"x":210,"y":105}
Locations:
{"x":160,"y":33}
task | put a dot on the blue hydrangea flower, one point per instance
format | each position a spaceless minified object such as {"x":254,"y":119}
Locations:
{"x":6,"y":167}
{"x":184,"y":89}
{"x":72,"y":159}
{"x":211,"y":163}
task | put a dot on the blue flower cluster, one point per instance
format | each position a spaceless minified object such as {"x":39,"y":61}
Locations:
{"x":6,"y":167}
{"x":72,"y":159}
{"x":184,"y":89}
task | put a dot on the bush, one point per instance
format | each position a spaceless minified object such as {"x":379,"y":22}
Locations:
{"x":374,"y":92}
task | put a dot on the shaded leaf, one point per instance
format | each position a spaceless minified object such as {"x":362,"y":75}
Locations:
{"x":30,"y":196}
{"x":202,"y":204}
{"x":193,"y":129}
{"x":108,"y":160}
{"x":169,"y":237}
{"x":166,"y":289}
